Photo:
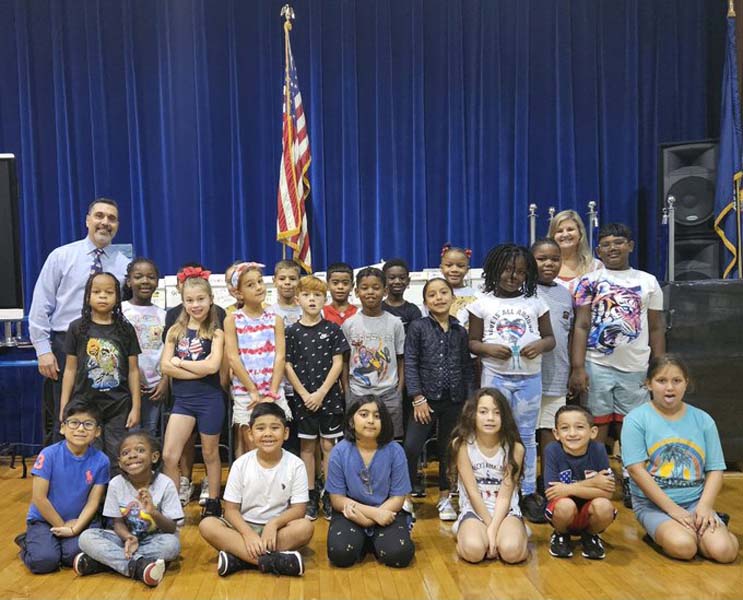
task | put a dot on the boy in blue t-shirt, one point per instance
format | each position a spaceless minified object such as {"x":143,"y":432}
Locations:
{"x":69,"y":483}
{"x":578,"y":484}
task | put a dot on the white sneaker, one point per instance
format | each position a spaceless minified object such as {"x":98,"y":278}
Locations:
{"x":407,"y":506}
{"x":446,"y":510}
{"x":184,"y":491}
{"x":204,"y":495}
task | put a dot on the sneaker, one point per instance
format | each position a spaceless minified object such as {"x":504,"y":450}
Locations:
{"x":407,"y":506}
{"x":184,"y":490}
{"x":533,"y":505}
{"x":212,"y":508}
{"x":204,"y":494}
{"x":327,"y":507}
{"x":229,"y":563}
{"x":626,"y":495}
{"x":312,"y":506}
{"x":282,"y":563}
{"x":446,"y":510}
{"x":419,"y":490}
{"x":560,"y":545}
{"x":150,"y":573}
{"x":85,"y":565}
{"x":724,"y":517}
{"x":593,"y":546}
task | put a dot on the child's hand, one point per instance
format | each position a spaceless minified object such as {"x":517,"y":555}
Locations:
{"x":422,"y":412}
{"x":498,"y":351}
{"x":684,"y":517}
{"x":160,"y":390}
{"x":66,"y":530}
{"x":384,"y":517}
{"x":269,"y":535}
{"x":531,"y":350}
{"x":176,"y":361}
{"x":254,"y":546}
{"x":130,"y":546}
{"x":705,"y":519}
{"x":145,"y":499}
{"x":132,"y":419}
{"x":314,"y":401}
{"x":604,"y":480}
{"x":492,"y":546}
{"x":578,"y":382}
{"x":255,"y":398}
{"x":556,"y":489}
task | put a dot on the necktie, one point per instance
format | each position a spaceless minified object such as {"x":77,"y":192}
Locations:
{"x":96,"y":266}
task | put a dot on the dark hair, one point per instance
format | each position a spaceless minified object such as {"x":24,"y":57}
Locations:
{"x":503,"y":256}
{"x":287,"y":264}
{"x":465,"y":431}
{"x":545,"y":241}
{"x":263,"y":409}
{"x":615,"y":230}
{"x":339,"y":267}
{"x":658,"y":363}
{"x":126,"y":289}
{"x":370,"y":272}
{"x":103,"y":200}
{"x":80,"y":405}
{"x":387,"y":432}
{"x":151,"y":441}
{"x":395,"y":262}
{"x":574,"y":408}
{"x":448,"y":248}
{"x":430,"y":281}
{"x":121,"y":325}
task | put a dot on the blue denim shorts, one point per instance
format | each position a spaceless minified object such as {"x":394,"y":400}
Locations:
{"x":651,"y":516}
{"x":613,"y":393}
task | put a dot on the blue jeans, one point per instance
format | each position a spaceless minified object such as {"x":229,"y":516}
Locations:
{"x":524,"y":395}
{"x":149,"y":419}
{"x":44,"y":552}
{"x":107,"y":547}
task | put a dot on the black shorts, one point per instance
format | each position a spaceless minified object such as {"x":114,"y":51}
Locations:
{"x":310,"y":425}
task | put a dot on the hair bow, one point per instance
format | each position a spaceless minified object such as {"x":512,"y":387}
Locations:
{"x":448,"y":246}
{"x":193,"y":272}
{"x":241,"y":268}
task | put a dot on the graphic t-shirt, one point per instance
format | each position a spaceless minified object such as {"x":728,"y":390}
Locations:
{"x":103,"y":364}
{"x":310,"y":350}
{"x":122,"y":501}
{"x":375,"y":343}
{"x":619,"y":302}
{"x":561,"y":467}
{"x":191,"y":346}
{"x":511,"y":322}
{"x":70,"y":477}
{"x":678,"y":453}
{"x":148,"y":322}
{"x":556,"y":362}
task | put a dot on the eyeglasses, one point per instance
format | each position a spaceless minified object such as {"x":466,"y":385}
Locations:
{"x":75,"y":424}
{"x":612,"y":244}
{"x":365,"y":477}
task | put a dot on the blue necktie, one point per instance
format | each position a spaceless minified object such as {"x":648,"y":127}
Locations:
{"x":96,"y":266}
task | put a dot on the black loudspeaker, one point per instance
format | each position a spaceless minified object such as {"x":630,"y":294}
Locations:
{"x":11,"y":289}
{"x":688,"y":172}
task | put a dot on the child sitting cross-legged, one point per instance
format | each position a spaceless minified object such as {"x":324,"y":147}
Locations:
{"x":146,"y":511}
{"x":265,"y":501}
{"x":578,"y":484}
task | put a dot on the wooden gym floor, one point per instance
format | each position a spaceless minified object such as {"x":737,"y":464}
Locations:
{"x":632,"y":568}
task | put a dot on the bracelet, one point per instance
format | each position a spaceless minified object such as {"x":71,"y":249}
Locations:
{"x":420,"y":401}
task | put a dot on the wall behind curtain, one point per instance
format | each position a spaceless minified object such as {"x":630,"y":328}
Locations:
{"x":429,"y":120}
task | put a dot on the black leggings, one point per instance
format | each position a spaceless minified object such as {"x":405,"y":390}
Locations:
{"x":446,"y":413}
{"x":349,"y":542}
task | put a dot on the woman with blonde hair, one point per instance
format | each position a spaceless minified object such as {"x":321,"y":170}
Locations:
{"x":568,"y":231}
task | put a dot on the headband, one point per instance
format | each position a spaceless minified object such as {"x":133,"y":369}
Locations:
{"x":193,"y":273}
{"x":241,"y":268}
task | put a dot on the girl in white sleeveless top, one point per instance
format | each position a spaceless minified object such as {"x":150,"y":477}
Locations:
{"x":487,"y":456}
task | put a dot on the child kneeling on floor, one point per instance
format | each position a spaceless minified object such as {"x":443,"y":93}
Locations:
{"x":265,"y":501}
{"x":146,"y":512}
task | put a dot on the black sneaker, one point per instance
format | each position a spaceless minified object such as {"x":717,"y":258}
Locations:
{"x":282,"y":563}
{"x":626,"y":494}
{"x":560,"y":545}
{"x":419,"y":490}
{"x":151,"y":573}
{"x":85,"y":565}
{"x":212,"y":508}
{"x":533,"y":505}
{"x":327,"y":506}
{"x":229,"y":563}
{"x":312,"y":506}
{"x":593,"y":546}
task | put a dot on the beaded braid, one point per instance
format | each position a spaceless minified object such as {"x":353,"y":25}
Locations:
{"x":503,"y":256}
{"x":121,"y":325}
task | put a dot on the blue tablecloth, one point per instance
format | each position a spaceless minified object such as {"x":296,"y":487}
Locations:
{"x":21,"y":388}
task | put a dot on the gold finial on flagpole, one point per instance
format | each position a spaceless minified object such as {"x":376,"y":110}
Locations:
{"x":287,"y":12}
{"x":731,"y":8}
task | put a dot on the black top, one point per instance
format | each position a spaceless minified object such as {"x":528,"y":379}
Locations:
{"x":407,"y":313}
{"x":193,"y":347}
{"x":310,"y":350}
{"x":103,"y":364}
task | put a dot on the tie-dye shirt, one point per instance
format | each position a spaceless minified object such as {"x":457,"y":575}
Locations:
{"x":256,"y":343}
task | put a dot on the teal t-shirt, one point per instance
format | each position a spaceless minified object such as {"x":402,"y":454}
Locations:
{"x":677,"y":453}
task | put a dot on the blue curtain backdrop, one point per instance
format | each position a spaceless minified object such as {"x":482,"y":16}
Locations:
{"x":429,"y":120}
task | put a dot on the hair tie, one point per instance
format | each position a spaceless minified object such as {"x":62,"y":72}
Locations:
{"x":241,"y":268}
{"x":193,"y":273}
{"x":468,"y":252}
{"x":445,"y":248}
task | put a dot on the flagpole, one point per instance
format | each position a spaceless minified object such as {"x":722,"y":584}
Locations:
{"x":737,"y":206}
{"x":288,"y":13}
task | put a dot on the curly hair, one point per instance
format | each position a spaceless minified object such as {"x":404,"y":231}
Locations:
{"x":126,"y":289}
{"x":121,"y":325}
{"x":504,"y":256}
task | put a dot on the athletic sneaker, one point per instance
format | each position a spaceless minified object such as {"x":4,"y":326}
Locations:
{"x":185,"y":490}
{"x":446,"y":510}
{"x":626,"y":495}
{"x":229,"y":563}
{"x":85,"y":565}
{"x":327,"y":506}
{"x":419,"y":490}
{"x":212,"y":508}
{"x":282,"y":563}
{"x":204,"y":494}
{"x":313,"y":506}
{"x":533,"y":505}
{"x":407,"y":506}
{"x":150,"y":573}
{"x":560,"y":545}
{"x":593,"y":546}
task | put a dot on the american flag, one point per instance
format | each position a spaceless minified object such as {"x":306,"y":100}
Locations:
{"x":294,"y":185}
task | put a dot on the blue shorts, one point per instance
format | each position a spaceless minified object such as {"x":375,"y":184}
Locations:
{"x":651,"y":516}
{"x":208,"y":411}
{"x":613,"y":393}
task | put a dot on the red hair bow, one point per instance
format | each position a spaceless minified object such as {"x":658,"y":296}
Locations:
{"x":191,"y":272}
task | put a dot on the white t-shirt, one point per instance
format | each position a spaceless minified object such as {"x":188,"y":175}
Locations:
{"x":512,"y":322}
{"x":148,"y":322}
{"x":265,"y":493}
{"x":619,"y":301}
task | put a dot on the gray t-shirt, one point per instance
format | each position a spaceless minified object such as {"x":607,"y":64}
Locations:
{"x":375,"y":344}
{"x":556,"y":362}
